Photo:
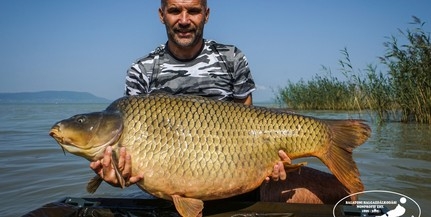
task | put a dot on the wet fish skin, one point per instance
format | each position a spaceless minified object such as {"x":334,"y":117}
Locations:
{"x":192,"y":148}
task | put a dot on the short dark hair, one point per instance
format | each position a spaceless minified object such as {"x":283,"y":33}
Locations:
{"x":163,"y":3}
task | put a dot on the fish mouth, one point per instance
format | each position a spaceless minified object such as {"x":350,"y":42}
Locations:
{"x":64,"y":143}
{"x":54,"y":133}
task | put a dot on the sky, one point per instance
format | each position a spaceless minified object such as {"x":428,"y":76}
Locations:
{"x":87,"y":46}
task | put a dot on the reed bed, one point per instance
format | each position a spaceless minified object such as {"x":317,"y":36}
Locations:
{"x":401,"y":93}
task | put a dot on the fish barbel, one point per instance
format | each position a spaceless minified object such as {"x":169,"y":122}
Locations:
{"x":191,"y":149}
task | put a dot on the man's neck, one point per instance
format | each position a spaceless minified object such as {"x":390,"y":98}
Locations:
{"x":188,"y":53}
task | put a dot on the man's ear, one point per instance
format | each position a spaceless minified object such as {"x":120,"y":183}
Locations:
{"x":207,"y":15}
{"x":161,"y":16}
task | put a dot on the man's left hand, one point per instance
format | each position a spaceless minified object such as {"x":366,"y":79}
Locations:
{"x":278,"y":172}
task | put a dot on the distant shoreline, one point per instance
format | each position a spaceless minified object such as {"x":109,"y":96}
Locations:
{"x":53,"y":97}
{"x":71,"y":97}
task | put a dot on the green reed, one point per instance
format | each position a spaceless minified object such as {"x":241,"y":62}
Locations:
{"x":402,"y":93}
{"x":410,"y":72}
{"x":321,"y":92}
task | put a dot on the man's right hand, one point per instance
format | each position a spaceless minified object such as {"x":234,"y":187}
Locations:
{"x":105,"y":170}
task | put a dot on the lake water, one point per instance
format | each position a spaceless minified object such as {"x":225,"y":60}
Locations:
{"x":34,"y":171}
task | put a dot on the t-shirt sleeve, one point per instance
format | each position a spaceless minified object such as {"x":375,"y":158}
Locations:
{"x":137,"y":79}
{"x":243,"y":80}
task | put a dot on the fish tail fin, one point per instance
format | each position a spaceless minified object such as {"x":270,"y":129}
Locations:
{"x":346,"y":135}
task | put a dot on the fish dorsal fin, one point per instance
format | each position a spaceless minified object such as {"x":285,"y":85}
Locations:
{"x":93,"y":184}
{"x":188,"y":207}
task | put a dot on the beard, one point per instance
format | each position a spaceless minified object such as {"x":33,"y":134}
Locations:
{"x":185,"y":36}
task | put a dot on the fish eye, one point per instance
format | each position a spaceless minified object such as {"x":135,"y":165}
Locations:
{"x":80,"y":119}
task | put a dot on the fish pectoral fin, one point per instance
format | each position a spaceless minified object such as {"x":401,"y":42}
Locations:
{"x":114,"y":165}
{"x":120,"y":178}
{"x":289,"y":167}
{"x":93,"y":184}
{"x":188,"y":206}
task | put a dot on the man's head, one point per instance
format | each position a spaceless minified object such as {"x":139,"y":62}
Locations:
{"x":164,"y":3}
{"x":184,"y":21}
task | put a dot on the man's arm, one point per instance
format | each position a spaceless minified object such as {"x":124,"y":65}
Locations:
{"x":246,"y":101}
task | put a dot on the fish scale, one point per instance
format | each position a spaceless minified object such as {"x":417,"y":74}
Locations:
{"x":192,"y":148}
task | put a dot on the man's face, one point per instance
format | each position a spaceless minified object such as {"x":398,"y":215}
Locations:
{"x":184,"y":21}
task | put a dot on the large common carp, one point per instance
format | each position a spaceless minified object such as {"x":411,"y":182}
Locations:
{"x":192,"y":149}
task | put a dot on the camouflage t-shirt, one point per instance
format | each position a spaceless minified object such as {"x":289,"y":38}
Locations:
{"x":219,"y":71}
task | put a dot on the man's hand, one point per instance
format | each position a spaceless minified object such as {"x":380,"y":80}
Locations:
{"x":279,"y":172}
{"x":105,"y":170}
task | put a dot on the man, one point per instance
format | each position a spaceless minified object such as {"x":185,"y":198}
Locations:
{"x":190,"y":64}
